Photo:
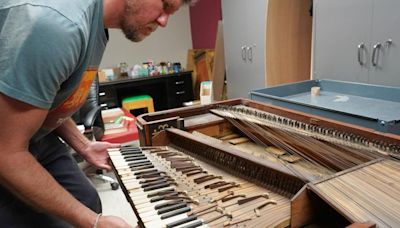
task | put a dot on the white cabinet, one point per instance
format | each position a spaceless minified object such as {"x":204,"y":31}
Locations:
{"x":357,"y":40}
{"x":244,"y":24}
{"x":266,"y":42}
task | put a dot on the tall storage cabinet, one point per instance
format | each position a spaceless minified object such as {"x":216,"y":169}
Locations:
{"x":244,"y":26}
{"x":357,"y":40}
{"x":266,"y":42}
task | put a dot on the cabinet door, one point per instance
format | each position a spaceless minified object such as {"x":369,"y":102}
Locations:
{"x":256,"y":44}
{"x":386,"y":26}
{"x":340,"y":26}
{"x":240,"y":23}
{"x":234,"y":27}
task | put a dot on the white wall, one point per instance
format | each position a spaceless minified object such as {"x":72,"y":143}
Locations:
{"x":165,"y":44}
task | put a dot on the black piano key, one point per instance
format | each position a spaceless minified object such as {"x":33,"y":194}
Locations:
{"x":145,"y":172}
{"x":151,"y":175}
{"x":154,"y":183}
{"x":154,"y":187}
{"x":126,"y":152}
{"x":138,"y":168}
{"x":137,"y":164}
{"x":135,"y":158}
{"x":153,"y":179}
{"x":167,"y":204}
{"x":176,"y":212}
{"x":130,"y":149}
{"x":171,"y":208}
{"x":137,"y":161}
{"x":161,"y":192}
{"x":183,"y":221}
{"x":162,"y":197}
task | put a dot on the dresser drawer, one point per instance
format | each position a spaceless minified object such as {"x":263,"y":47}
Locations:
{"x":108,"y":98}
{"x":107,"y":93}
{"x":179,"y":90}
{"x":180,"y":84}
{"x":110,"y":103}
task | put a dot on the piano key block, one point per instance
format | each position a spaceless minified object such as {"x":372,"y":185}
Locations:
{"x":168,"y":188}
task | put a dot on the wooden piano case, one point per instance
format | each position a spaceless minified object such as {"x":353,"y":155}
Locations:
{"x":198,"y":118}
{"x":312,"y":204}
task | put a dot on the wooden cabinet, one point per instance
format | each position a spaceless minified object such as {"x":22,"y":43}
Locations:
{"x":357,"y":40}
{"x":167,"y":91}
{"x":267,"y":42}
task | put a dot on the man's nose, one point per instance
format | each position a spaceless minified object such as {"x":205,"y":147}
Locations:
{"x":162,"y":20}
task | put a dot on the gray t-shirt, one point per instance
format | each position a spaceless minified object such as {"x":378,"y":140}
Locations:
{"x":49,"y":54}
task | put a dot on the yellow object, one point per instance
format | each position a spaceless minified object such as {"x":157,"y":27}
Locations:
{"x":136,"y":102}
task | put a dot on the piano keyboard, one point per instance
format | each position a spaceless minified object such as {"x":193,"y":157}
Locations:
{"x":168,"y":188}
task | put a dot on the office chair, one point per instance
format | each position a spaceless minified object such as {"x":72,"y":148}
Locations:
{"x":89,"y":115}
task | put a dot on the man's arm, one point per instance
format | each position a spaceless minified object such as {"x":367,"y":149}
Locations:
{"x":22,"y":175}
{"x":70,"y":133}
{"x":93,"y":152}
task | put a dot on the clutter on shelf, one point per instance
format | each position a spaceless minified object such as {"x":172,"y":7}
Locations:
{"x":145,"y":69}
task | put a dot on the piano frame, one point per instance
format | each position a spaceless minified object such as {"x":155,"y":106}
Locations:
{"x":150,"y":124}
{"x":195,"y":119}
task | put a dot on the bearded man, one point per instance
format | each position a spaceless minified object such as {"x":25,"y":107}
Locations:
{"x":49,"y":55}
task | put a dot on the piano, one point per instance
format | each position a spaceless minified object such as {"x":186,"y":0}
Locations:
{"x":241,"y":163}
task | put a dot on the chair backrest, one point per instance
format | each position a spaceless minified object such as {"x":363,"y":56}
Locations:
{"x":90,"y":113}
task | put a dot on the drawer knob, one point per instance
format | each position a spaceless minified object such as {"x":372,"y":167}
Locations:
{"x":180,"y":92}
{"x":102,"y":94}
{"x":179,"y":82}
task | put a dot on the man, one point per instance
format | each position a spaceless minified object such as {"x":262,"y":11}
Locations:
{"x":49,"y":55}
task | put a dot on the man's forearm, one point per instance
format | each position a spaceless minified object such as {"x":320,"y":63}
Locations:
{"x":41,"y":192}
{"x":69,"y":132}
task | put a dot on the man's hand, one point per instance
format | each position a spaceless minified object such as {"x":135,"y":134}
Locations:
{"x":112,"y":221}
{"x":96,"y":154}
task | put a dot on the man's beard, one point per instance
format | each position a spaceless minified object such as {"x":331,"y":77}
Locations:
{"x":134,"y":32}
{"x":131,"y":32}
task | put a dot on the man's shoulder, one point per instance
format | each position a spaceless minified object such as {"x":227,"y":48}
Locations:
{"x":72,"y":10}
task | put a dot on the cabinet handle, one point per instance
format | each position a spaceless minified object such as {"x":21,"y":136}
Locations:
{"x":179,"y":82}
{"x":360,"y":56}
{"x":388,"y":43}
{"x":180,"y":92}
{"x":244,"y":52}
{"x":103,"y":105}
{"x":250,"y":53}
{"x":375,"y":54}
{"x":102,"y":94}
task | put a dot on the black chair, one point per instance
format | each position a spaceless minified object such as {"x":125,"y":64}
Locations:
{"x":89,"y":115}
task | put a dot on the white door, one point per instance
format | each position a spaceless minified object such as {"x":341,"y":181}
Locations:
{"x":342,"y":30}
{"x":256,"y":46}
{"x":244,"y":27}
{"x":386,"y":39}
